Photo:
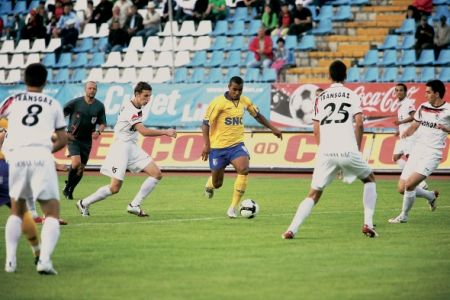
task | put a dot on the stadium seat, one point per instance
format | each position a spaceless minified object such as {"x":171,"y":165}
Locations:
{"x":97,"y":60}
{"x":325,"y":27}
{"x":237,"y":28}
{"x":408,"y":26}
{"x":389,"y":58}
{"x":360,"y":2}
{"x":111,"y":75}
{"x":33,"y":4}
{"x":54,"y":43}
{"x":23,"y":46}
{"x":169,"y":28}
{"x":408,"y":58}
{"x":114,"y":60}
{"x":131,"y":59}
{"x":186,"y":43}
{"x":343,"y":14}
{"x":220,"y":43}
{"x":95,"y":74}
{"x":389,"y":74}
{"x":17,"y":61}
{"x":353,"y":74}
{"x":152,"y":44}
{"x":162,"y":75}
{"x":100,"y":45}
{"x":203,"y":43}
{"x":7,"y":46}
{"x":86,"y":45}
{"x":187,"y":28}
{"x":238,"y":43}
{"x":443,"y":58}
{"x":371,"y":58}
{"x":168,"y":44}
{"x":371,"y":75}
{"x":426,"y":74}
{"x":426,"y":57}
{"x":441,"y":11}
{"x":215,"y":60}
{"x":103,"y":31}
{"x":290,"y":42}
{"x":215,"y":75}
{"x":308,"y":42}
{"x":182,"y":58}
{"x":234,"y":71}
{"x":136,"y":44}
{"x":198,"y":75}
{"x":64,"y":60}
{"x":408,"y":75}
{"x":407,"y":43}
{"x":128,"y":75}
{"x":252,"y":75}
{"x":390,"y":42}
{"x":269,"y":75}
{"x":147,"y":59}
{"x":249,"y":57}
{"x":164,"y":59}
{"x":326,"y":12}
{"x":145,"y":75}
{"x":62,"y":76}
{"x":80,"y":61}
{"x":253,"y":27}
{"x":240,"y":14}
{"x":20,"y":7}
{"x":199,"y":59}
{"x":32,"y":58}
{"x":220,"y":28}
{"x":233,"y":59}
{"x":181,"y":75}
{"x":13,"y":76}
{"x":38,"y":46}
{"x":4,"y":61}
{"x":444,"y":76}
{"x":49,"y":60}
{"x":2,"y":76}
{"x":89,"y":31}
{"x":204,"y":28}
{"x":78,"y":75}
{"x":6,"y":7}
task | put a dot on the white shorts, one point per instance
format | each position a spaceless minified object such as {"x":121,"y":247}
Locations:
{"x":32,"y":177}
{"x":352,"y":165}
{"x":422,"y":161}
{"x":122,"y":156}
{"x":403,"y":146}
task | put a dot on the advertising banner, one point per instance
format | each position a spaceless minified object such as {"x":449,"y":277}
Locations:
{"x":296,"y":152}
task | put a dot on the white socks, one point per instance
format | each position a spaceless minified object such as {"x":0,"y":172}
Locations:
{"x":369,"y":201}
{"x":146,"y":188}
{"x":429,"y":195}
{"x":49,"y":238}
{"x":99,"y":195}
{"x":13,"y":231}
{"x":408,"y":201}
{"x":303,"y":211}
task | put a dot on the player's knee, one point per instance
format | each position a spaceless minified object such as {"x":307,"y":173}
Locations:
{"x":370,"y":178}
{"x":217,"y":183}
{"x":114,"y":188}
{"x":401,"y":187}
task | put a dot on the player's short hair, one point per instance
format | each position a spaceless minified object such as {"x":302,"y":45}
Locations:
{"x":403,"y":86}
{"x":142,"y":86}
{"x":35,"y":75}
{"x":437,"y":86}
{"x":338,"y":71}
{"x":236,"y":79}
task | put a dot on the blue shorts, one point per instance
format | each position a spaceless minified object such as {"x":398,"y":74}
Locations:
{"x":4,"y":179}
{"x":220,"y":158}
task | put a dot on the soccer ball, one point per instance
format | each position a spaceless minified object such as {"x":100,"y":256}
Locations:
{"x":249,"y":208}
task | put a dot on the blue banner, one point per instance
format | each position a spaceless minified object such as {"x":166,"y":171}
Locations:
{"x":171,"y":105}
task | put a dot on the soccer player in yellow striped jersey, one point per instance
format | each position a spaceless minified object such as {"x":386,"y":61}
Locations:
{"x":223,"y":136}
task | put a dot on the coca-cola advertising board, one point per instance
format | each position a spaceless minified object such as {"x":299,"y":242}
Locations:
{"x":292,"y":104}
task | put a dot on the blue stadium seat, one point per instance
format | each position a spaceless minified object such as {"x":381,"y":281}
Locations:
{"x":234,"y":71}
{"x":215,"y":60}
{"x":360,"y":2}
{"x":326,"y":12}
{"x":408,"y":75}
{"x":290,"y":42}
{"x":269,"y":75}
{"x":444,"y":76}
{"x":215,"y":75}
{"x":249,"y":57}
{"x":408,"y":26}
{"x":426,"y":57}
{"x":313,"y":10}
{"x":371,"y":75}
{"x":220,"y":28}
{"x":64,"y":60}
{"x":49,"y":60}
{"x":441,"y":10}
{"x":240,"y":13}
{"x":408,"y":58}
{"x":6,"y":7}
{"x":389,"y":74}
{"x":20,"y":7}
{"x":238,"y":43}
{"x":62,"y":76}
{"x":353,"y":74}
{"x":198,"y":76}
{"x":440,"y":2}
{"x":33,"y":4}
{"x":371,"y":58}
{"x":389,"y":58}
{"x":81,"y":60}
{"x":344,"y":13}
{"x":253,"y":27}
{"x":86,"y":45}
{"x":220,"y":43}
{"x":181,"y":75}
{"x":233,"y":59}
{"x":341,"y":2}
{"x":237,"y":28}
{"x":97,"y":60}
{"x":252,"y":75}
{"x":443,"y":58}
{"x":325,"y":27}
{"x":199,"y":59}
{"x":79,"y":75}
{"x":50,"y":75}
{"x":308,"y":42}
{"x":407,"y":43}
{"x":426,"y":74}
{"x":390,"y":42}
{"x":100,"y":45}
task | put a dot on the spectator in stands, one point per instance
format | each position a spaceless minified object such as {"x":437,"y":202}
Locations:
{"x":116,"y":17}
{"x":199,"y":12}
{"x":35,"y":28}
{"x":15,"y":27}
{"x":275,"y":6}
{"x":424,"y":36}
{"x":262,"y":47}
{"x":141,"y":4}
{"x":257,"y":4}
{"x":442,"y":37}
{"x":283,"y":58}
{"x":58,"y":9}
{"x":165,"y":15}
{"x":123,"y":5}
{"x":424,"y":7}
{"x":284,"y":21}
{"x":216,"y":10}
{"x":413,"y":13}
{"x":269,"y":19}
{"x":118,"y":38}
{"x":134,"y":22}
{"x":151,"y":22}
{"x":302,"y":19}
{"x":68,"y":16}
{"x":102,"y":12}
{"x":69,"y":37}
{"x":185,"y":10}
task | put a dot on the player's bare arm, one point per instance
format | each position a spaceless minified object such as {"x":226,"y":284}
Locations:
{"x":407,"y":120}
{"x":263,"y":121}
{"x":99,"y":131}
{"x":60,"y":140}
{"x":359,"y":129}
{"x":206,"y":142}
{"x":316,"y":130}
{"x":155,"y":132}
{"x":410,"y":130}
{"x":443,"y":128}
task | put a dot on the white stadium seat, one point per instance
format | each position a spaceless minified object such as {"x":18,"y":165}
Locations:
{"x":38,"y":46}
{"x":162,"y":75}
{"x":147,"y":59}
{"x":114,"y":60}
{"x":146,"y":75}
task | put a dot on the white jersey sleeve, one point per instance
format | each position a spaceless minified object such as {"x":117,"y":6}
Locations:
{"x":428,"y":135}
{"x":32,"y":119}
{"x":128,"y":117}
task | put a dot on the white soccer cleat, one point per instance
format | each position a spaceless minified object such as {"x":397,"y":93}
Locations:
{"x":209,"y":193}
{"x":84,"y":211}
{"x":45,"y":268}
{"x":231,"y":213}
{"x":398,"y":220}
{"x":433,"y":203}
{"x":136,"y":210}
{"x":10,"y":266}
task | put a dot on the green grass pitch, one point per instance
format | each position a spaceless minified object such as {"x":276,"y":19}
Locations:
{"x":189,"y":249}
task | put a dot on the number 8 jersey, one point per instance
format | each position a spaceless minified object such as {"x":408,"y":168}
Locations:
{"x":334,"y":110}
{"x":32,"y":119}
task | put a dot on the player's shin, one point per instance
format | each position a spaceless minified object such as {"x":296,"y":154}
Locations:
{"x":12,"y":236}
{"x":240,"y":184}
{"x":369,"y":202}
{"x":146,"y":188}
{"x":408,"y":201}
{"x":49,"y":237}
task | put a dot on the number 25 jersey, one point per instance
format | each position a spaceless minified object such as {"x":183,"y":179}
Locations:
{"x":32,"y":119}
{"x":334,"y":110}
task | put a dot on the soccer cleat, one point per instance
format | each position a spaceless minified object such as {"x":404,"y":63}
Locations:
{"x":67,"y":192}
{"x":36,"y":260}
{"x":62,"y":222}
{"x":288,"y":235}
{"x":399,"y":219}
{"x":45,"y":268}
{"x":209,"y":193}
{"x":232,"y":213}
{"x":38,"y":220}
{"x":433,"y":203}
{"x":370,"y":232}
{"x":83,"y":209}
{"x":10,"y":267}
{"x":136,"y":210}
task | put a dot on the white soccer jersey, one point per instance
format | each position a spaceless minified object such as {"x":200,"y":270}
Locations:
{"x":404,"y":110}
{"x":32,"y":119}
{"x":129,"y":116}
{"x":335,"y":109}
{"x":429,"y":117}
